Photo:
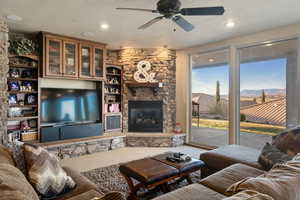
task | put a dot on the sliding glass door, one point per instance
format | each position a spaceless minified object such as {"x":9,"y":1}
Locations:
{"x":268,"y":80}
{"x":209,"y":120}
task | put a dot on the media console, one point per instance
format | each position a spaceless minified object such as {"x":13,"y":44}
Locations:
{"x":70,"y":131}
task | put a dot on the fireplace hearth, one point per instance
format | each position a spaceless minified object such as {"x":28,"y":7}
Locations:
{"x":145,"y":116}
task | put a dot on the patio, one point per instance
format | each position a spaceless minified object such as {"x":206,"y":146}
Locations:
{"x":216,"y":137}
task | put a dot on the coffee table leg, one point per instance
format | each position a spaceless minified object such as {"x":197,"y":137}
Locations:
{"x":133,"y":189}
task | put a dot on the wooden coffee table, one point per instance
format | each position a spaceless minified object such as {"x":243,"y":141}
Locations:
{"x":156,"y":171}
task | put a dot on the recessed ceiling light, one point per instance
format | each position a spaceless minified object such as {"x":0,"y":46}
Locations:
{"x":104,"y":26}
{"x":14,"y":18}
{"x":230,"y":24}
{"x":87,"y":34}
{"x":211,"y":60}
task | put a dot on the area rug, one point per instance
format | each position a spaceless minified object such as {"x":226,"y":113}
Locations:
{"x":110,"y":179}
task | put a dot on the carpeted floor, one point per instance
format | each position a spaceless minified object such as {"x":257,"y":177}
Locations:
{"x":110,"y":179}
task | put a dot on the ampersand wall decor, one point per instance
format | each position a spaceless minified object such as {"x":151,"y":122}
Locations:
{"x":142,"y":74}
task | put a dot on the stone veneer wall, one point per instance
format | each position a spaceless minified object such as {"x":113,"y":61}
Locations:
{"x":163,"y":63}
{"x":3,"y":80}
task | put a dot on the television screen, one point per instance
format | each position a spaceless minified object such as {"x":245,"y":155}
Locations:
{"x":61,"y":106}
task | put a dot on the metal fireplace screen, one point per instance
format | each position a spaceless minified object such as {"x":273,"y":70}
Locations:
{"x":145,"y":116}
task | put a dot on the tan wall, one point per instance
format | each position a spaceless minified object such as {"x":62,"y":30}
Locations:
{"x":182,"y":76}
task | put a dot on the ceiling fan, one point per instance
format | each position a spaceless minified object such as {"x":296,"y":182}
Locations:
{"x":171,"y":9}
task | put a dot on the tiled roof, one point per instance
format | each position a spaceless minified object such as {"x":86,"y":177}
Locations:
{"x":272,"y":112}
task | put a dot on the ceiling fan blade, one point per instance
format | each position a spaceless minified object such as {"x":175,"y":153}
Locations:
{"x":151,"y":22}
{"x":203,"y":11}
{"x":138,"y":9}
{"x":185,"y":25}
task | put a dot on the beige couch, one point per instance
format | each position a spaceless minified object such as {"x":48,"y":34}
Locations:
{"x":14,"y":185}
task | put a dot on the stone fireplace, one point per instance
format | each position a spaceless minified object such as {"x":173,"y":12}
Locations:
{"x":163,"y":64}
{"x":145,"y":116}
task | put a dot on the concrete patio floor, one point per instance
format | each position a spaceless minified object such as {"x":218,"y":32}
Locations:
{"x":216,"y":137}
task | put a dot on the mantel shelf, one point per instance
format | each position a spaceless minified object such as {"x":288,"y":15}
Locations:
{"x":134,"y":85}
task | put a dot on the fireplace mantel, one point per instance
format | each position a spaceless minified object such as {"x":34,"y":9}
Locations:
{"x":135,"y":85}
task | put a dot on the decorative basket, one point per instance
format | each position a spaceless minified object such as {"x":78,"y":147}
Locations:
{"x":29,"y":137}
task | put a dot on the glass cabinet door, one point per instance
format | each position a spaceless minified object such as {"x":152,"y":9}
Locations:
{"x":53,"y":57}
{"x":70,"y":59}
{"x":98,"y":62}
{"x":85,"y":61}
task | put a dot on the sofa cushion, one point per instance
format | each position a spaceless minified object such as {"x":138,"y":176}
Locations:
{"x":83,"y":184}
{"x":249,"y":195}
{"x":288,"y":141}
{"x":94,"y":195}
{"x":281,"y":182}
{"x":13,"y":184}
{"x":270,"y":155}
{"x":191,"y":192}
{"x":6,"y":156}
{"x":225,"y":156}
{"x":45,"y":173}
{"x":221,"y":180}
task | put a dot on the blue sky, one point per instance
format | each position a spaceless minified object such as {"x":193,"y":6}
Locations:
{"x":254,"y":76}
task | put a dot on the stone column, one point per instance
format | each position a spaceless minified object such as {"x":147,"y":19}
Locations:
{"x":3,"y":80}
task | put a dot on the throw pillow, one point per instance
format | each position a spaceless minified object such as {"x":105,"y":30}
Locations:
{"x":14,"y":186}
{"x":6,"y":156}
{"x":249,"y":195}
{"x":281,"y":182}
{"x":288,"y":142}
{"x":18,"y":155}
{"x":44,"y":172}
{"x":270,"y":155}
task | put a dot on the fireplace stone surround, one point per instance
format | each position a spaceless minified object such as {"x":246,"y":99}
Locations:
{"x":163,"y":64}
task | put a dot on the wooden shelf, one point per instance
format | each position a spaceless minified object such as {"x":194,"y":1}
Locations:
{"x":32,"y":129}
{"x":23,"y":66}
{"x":32,"y":57}
{"x":22,"y":92}
{"x":23,"y":106}
{"x":22,"y":79}
{"x":22,"y":118}
{"x":134,"y":85}
{"x":114,"y":84}
{"x":112,"y":93}
{"x":111,"y":74}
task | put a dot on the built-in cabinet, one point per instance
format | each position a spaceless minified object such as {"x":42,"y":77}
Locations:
{"x":72,"y":58}
{"x":113,"y":98}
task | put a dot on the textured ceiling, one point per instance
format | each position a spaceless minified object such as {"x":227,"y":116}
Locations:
{"x":72,"y":17}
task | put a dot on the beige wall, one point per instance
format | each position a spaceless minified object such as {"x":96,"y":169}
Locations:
{"x":182,"y":63}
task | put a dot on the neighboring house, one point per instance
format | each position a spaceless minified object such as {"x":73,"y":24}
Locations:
{"x":205,"y":102}
{"x":272,"y":112}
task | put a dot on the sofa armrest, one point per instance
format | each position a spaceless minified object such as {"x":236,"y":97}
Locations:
{"x":82,"y":184}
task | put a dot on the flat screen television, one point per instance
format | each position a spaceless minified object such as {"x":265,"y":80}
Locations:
{"x":67,"y":106}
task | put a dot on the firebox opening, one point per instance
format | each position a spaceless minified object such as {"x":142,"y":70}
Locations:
{"x":145,"y":116}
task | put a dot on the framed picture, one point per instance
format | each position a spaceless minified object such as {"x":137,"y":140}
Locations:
{"x":13,"y":86}
{"x":14,"y":73}
{"x":12,"y":99}
{"x":30,"y":99}
{"x":27,"y":74}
